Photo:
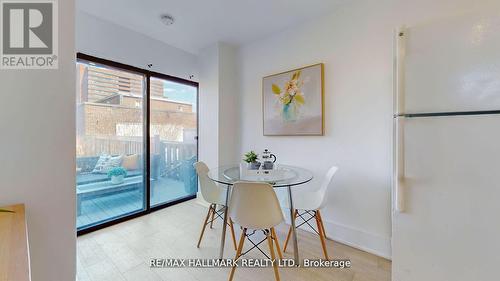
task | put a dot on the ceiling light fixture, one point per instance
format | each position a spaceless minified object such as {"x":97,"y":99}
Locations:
{"x":167,"y":19}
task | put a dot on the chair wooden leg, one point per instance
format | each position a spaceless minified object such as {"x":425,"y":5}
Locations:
{"x":321,"y":230}
{"x":238,"y":252}
{"x":204,"y":225}
{"x":322,"y":225}
{"x":289,"y":232}
{"x":232,"y":233}
{"x":213,"y":214}
{"x":287,"y":238}
{"x":276,"y":241}
{"x":273,"y":257}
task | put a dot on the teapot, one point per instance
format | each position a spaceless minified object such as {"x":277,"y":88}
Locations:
{"x":268,"y":160}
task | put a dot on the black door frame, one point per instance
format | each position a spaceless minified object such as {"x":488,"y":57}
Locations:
{"x":147,"y":134}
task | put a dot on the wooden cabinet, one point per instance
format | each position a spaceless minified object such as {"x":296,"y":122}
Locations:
{"x":14,"y":248}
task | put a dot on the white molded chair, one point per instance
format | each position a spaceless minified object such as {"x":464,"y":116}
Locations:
{"x":215,"y":195}
{"x":255,"y":206}
{"x":309,"y":203}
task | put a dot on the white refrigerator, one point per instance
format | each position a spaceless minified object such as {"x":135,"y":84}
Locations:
{"x":446,"y":187}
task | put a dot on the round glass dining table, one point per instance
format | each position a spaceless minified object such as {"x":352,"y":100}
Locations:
{"x":282,"y":176}
{"x":287,"y":176}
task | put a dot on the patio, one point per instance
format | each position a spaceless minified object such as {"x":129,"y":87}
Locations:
{"x":99,"y":201}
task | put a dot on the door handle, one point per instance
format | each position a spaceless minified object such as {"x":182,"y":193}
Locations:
{"x":399,"y":165}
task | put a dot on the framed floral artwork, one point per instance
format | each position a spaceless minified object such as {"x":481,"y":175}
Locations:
{"x":292,"y":102}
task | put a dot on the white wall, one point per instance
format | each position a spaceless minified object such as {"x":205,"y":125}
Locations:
{"x":37,"y":148}
{"x":355,"y":43}
{"x":208,"y":135}
{"x":218,"y":136}
{"x":107,"y":40}
{"x":228,"y":105}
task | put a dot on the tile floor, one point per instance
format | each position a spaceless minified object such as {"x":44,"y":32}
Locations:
{"x":123,"y":252}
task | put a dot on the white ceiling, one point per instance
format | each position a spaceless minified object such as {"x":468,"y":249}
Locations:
{"x":199,"y":23}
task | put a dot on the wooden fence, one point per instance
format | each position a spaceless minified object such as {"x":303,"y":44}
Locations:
{"x":95,"y":146}
{"x":171,"y":153}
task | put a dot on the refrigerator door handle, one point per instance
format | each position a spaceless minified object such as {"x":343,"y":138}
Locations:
{"x":399,"y":165}
{"x":398,"y":130}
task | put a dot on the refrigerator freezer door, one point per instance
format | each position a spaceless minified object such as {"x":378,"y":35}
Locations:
{"x":453,"y":65}
{"x":450,"y":229}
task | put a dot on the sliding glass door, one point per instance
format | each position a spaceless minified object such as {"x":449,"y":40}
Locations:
{"x":118,"y":108}
{"x":173,"y":131}
{"x":109,"y":143}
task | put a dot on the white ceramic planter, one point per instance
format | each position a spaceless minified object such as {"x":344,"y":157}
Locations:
{"x":117,"y":179}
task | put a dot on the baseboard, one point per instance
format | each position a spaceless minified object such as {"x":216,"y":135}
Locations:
{"x":361,"y":240}
{"x":200,"y":200}
{"x":368,"y":242}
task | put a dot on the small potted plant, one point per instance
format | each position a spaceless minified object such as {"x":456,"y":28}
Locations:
{"x":251,"y":159}
{"x":117,"y":175}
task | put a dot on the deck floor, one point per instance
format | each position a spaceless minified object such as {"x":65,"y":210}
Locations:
{"x":104,"y":208}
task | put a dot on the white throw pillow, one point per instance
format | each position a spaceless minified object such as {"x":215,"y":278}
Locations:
{"x":113,"y":162}
{"x":106,"y":163}
{"x":101,"y":163}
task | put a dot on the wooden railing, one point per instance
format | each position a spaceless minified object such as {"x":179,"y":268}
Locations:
{"x":170,"y":153}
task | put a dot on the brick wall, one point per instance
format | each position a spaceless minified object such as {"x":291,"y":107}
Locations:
{"x":101,"y":119}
